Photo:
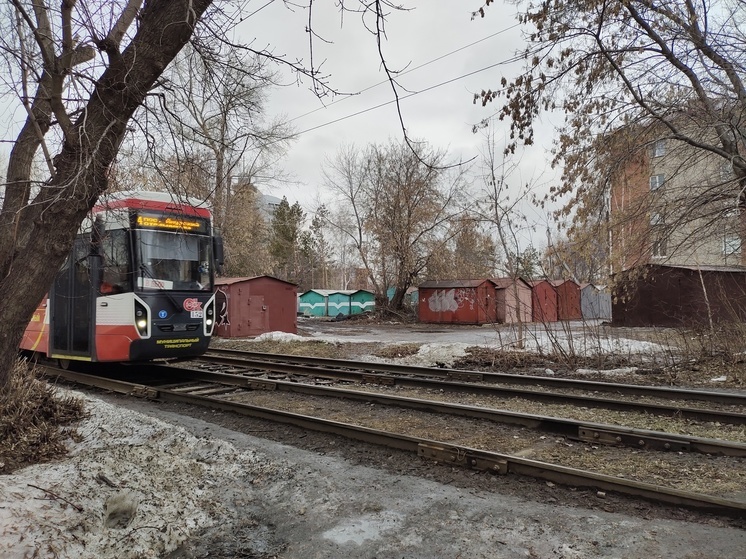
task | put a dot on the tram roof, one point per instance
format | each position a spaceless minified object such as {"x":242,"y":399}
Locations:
{"x":162,"y":201}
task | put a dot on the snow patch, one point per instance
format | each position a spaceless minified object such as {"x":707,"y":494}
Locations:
{"x":279,"y":337}
{"x":165,"y":474}
{"x":610,"y":372}
{"x":437,"y":354}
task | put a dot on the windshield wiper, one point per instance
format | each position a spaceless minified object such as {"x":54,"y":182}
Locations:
{"x":144,"y":270}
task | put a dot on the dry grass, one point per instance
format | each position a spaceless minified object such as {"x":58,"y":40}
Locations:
{"x":34,"y":420}
{"x":322,"y":349}
{"x":314,"y":348}
{"x":501,"y":360}
{"x":690,"y":370}
{"x":397,"y":351}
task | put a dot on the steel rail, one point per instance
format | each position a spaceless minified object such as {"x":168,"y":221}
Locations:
{"x":580,"y":430}
{"x":429,"y":449}
{"x":491,"y":377}
{"x":699,"y":414}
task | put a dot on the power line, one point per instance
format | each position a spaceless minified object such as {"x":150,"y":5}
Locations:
{"x":258,"y":10}
{"x":508,"y":61}
{"x":409,"y":71}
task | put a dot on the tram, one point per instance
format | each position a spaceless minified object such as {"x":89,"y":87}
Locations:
{"x":137,"y":285}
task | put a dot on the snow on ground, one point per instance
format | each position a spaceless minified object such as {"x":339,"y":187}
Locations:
{"x":441,"y":347}
{"x":585,"y":339}
{"x":279,"y":337}
{"x":278,"y":501}
{"x":163,"y":479}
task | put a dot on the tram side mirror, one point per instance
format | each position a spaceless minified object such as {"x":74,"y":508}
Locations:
{"x":217,"y":249}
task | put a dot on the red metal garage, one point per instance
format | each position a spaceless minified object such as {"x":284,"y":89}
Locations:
{"x":458,"y":301}
{"x":253,"y":306}
{"x":568,"y":299}
{"x":676,"y":296}
{"x":543,"y":301}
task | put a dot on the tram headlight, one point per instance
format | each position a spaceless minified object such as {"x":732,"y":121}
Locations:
{"x":209,"y":317}
{"x":141,"y":319}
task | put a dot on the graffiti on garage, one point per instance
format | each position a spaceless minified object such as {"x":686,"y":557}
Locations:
{"x":221,"y":302}
{"x":450,"y":300}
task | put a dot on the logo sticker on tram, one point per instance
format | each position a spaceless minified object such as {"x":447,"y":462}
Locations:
{"x":194,"y":306}
{"x":162,"y":314}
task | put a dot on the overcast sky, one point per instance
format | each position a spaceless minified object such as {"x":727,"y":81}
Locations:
{"x":461,"y":56}
{"x":447,"y":57}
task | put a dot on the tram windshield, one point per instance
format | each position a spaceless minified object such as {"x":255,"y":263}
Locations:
{"x":173,"y":261}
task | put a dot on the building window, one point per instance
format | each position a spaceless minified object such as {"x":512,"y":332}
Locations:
{"x":731,"y":244}
{"x":656,"y":181}
{"x":659,"y":148}
{"x":656,"y":219}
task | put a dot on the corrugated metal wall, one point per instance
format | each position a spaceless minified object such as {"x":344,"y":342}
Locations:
{"x":676,"y":296}
{"x":568,"y":300}
{"x":249,"y":307}
{"x":543,"y":301}
{"x":457,"y":302}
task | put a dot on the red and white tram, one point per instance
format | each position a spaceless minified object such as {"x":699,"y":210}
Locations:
{"x":138,"y":284}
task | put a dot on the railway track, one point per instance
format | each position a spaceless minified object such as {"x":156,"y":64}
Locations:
{"x":296,"y":367}
{"x":328,"y":366}
{"x":219,"y":390}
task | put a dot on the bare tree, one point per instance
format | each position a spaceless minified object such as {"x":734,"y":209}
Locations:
{"x":499,"y":200}
{"x":91,"y":72}
{"x":584,"y":258}
{"x":215,"y":107}
{"x":671,"y":71}
{"x":400,"y":205}
{"x":81,"y":70}
{"x":470,"y":253}
{"x":499,"y":205}
{"x":246,"y":235}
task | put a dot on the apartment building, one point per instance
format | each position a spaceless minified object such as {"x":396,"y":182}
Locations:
{"x":675,"y":205}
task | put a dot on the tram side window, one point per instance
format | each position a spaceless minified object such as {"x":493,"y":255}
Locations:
{"x":116,"y":269}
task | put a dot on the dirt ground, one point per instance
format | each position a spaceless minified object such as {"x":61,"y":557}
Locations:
{"x":338,"y":499}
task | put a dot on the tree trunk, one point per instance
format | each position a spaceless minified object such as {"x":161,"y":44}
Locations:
{"x":397,"y":301}
{"x":41,"y":241}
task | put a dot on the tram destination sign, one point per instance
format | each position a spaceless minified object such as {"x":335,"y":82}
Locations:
{"x":171,"y":222}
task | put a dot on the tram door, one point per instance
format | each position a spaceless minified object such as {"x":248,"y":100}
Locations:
{"x":70,"y":321}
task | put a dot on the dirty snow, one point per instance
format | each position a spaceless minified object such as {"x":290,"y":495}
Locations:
{"x":166,"y":474}
{"x":584,"y":339}
{"x":279,"y":337}
{"x":296,"y":504}
{"x":609,"y":372}
{"x":441,"y":347}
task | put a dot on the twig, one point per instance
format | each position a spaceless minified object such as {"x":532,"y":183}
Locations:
{"x":54,"y":495}
{"x":128,"y":534}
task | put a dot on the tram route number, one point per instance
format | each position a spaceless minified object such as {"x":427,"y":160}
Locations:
{"x":177,"y":344}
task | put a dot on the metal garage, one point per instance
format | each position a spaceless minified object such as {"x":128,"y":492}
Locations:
{"x":253,"y":306}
